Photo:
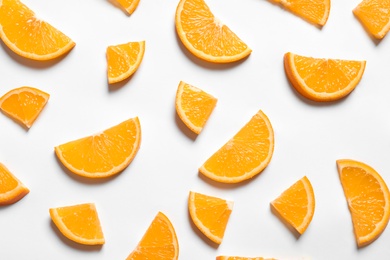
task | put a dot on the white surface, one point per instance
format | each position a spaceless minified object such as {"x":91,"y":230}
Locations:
{"x":309,"y":137}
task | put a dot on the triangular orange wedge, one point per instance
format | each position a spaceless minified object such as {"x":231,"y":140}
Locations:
{"x":194,"y":106}
{"x":104,"y":154}
{"x":296,"y":205}
{"x":210,"y":215}
{"x":123,"y":60}
{"x":368,"y":199}
{"x":128,"y":5}
{"x":205,"y":36}
{"x":11,"y":189}
{"x":24,"y":104}
{"x":79,"y":223}
{"x":29,"y":36}
{"x":159,"y":241}
{"x":243,"y":156}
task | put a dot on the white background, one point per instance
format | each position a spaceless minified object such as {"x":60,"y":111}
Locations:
{"x":309,"y":137}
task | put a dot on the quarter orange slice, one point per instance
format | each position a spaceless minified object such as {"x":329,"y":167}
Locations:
{"x":11,"y":189}
{"x":296,"y":205}
{"x":194,"y":106}
{"x":123,"y":60}
{"x":103,"y":154}
{"x":241,"y":258}
{"x":313,"y":11}
{"x":368,"y":199}
{"x":210,"y":215}
{"x":243,"y":156}
{"x":24,"y":104}
{"x":374,"y":15}
{"x":205,"y":36}
{"x":323,"y":79}
{"x":159,"y":241}
{"x":29,"y":36}
{"x":79,"y":223}
{"x":128,"y":5}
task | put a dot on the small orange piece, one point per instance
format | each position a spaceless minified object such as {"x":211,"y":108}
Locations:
{"x":241,"y":258}
{"x":374,"y":15}
{"x":210,"y":215}
{"x":194,"y":106}
{"x":123,"y":60}
{"x":103,"y":154}
{"x":128,"y":5}
{"x":295,"y":206}
{"x":368,"y":199}
{"x":323,"y":79}
{"x":28,"y":36}
{"x":205,"y":36}
{"x":24,"y":104}
{"x":79,"y":223}
{"x":313,"y":11}
{"x":11,"y":189}
{"x":159,"y":241}
{"x":243,"y":156}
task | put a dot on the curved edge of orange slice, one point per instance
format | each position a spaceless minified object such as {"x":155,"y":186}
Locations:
{"x":14,"y":195}
{"x":128,"y":6}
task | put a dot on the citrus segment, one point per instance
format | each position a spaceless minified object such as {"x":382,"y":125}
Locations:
{"x":210,"y":215}
{"x":243,"y":156}
{"x":11,"y":189}
{"x":374,"y":15}
{"x":103,"y":154}
{"x":24,"y":104}
{"x":194,"y":106}
{"x":323,"y":79}
{"x":368,"y":199}
{"x":205,"y":36}
{"x":159,"y":241}
{"x":241,"y":258}
{"x":123,"y":60}
{"x":296,"y":205}
{"x":79,"y":223}
{"x":128,"y":5}
{"x":29,"y":36}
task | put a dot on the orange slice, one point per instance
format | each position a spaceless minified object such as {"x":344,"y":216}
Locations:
{"x":313,"y":11}
{"x":205,"y":36}
{"x":103,"y":154}
{"x":128,"y":5}
{"x":159,"y":241}
{"x":243,"y":156}
{"x":123,"y":60}
{"x":24,"y":104}
{"x":295,"y":206}
{"x":368,"y":199}
{"x":194,"y":106}
{"x":11,"y":189}
{"x":323,"y":79}
{"x":210,"y":215}
{"x":241,"y":258}
{"x":374,"y":15}
{"x":28,"y":36}
{"x":79,"y":223}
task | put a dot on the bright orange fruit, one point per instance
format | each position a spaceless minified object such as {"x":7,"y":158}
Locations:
{"x":11,"y":189}
{"x":159,"y":241}
{"x":368,"y":199}
{"x":205,"y":36}
{"x":128,"y":5}
{"x":103,"y":154}
{"x":29,"y":36}
{"x":79,"y":223}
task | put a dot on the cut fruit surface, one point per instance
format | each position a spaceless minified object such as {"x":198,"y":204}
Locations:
{"x":323,"y":79}
{"x":128,"y":5}
{"x":210,"y":215}
{"x":194,"y":106}
{"x":313,"y":11}
{"x":243,"y":156}
{"x":159,"y":241}
{"x":241,"y":258}
{"x":79,"y":223}
{"x":296,"y":205}
{"x":368,"y":199}
{"x":11,"y":189}
{"x":374,"y":15}
{"x":28,"y":36}
{"x":205,"y":36}
{"x":123,"y":60}
{"x":24,"y":104}
{"x":103,"y":154}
